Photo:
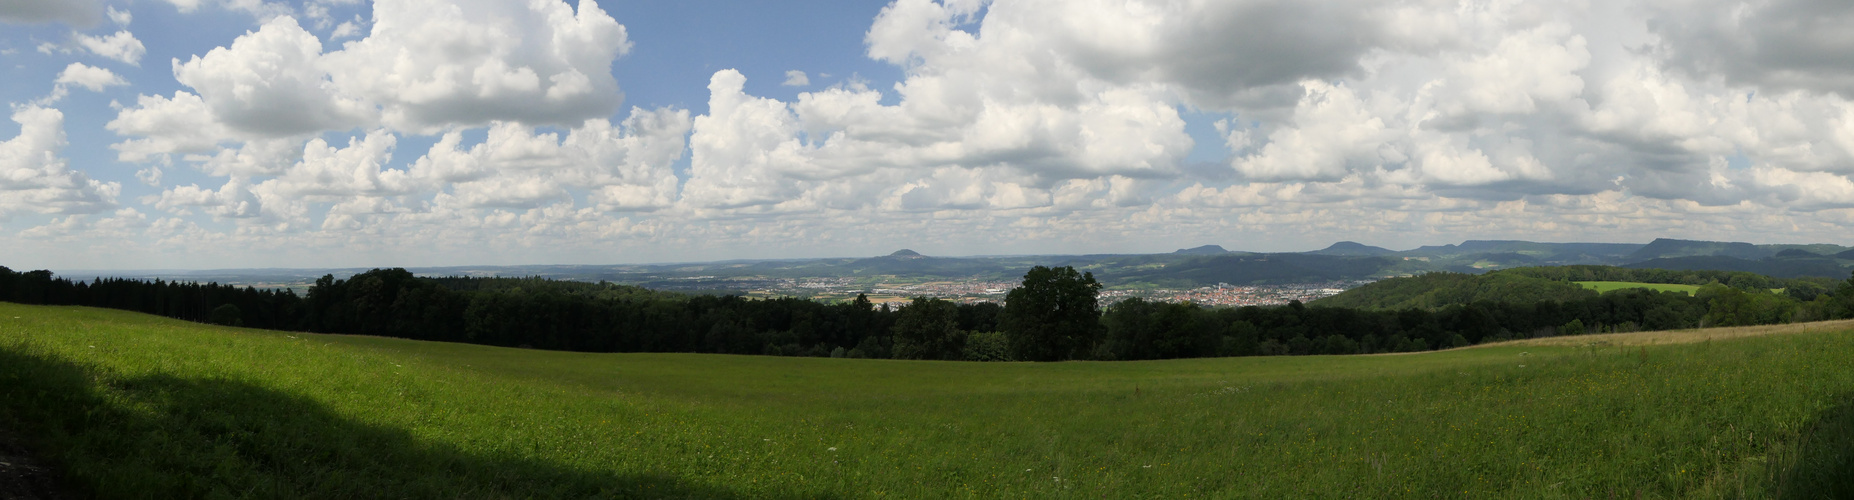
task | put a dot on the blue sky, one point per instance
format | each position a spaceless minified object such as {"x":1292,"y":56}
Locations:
{"x":245,"y":133}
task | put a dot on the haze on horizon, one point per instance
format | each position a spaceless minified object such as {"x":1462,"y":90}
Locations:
{"x":351,"y":133}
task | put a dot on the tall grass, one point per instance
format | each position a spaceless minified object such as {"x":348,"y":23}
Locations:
{"x":135,"y":406}
{"x":1607,"y":286}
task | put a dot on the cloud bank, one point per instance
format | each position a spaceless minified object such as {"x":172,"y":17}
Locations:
{"x":1015,"y":126}
{"x":74,"y":12}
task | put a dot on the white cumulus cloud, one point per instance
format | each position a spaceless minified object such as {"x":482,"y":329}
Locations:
{"x":89,"y":77}
{"x":121,"y":46}
{"x":120,"y":17}
{"x":272,"y":83}
{"x":796,"y":78}
{"x":35,"y":178}
{"x":434,"y":63}
{"x":179,"y":124}
{"x":622,"y":168}
{"x":428,"y":65}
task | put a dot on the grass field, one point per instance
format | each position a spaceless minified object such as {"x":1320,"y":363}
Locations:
{"x":1605,"y":286}
{"x":129,"y":405}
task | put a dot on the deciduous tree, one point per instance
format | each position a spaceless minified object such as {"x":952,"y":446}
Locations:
{"x":1054,"y":315}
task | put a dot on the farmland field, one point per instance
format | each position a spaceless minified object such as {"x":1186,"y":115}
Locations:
{"x":1605,"y":286}
{"x":129,"y":405}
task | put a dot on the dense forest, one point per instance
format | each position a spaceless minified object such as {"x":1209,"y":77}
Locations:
{"x":1055,"y":315}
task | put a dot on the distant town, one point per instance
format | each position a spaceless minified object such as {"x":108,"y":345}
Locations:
{"x":978,"y":291}
{"x":1225,"y":294}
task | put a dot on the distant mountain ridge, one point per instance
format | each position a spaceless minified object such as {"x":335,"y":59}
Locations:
{"x":1545,"y":253}
{"x":1203,"y":250}
{"x":1353,"y":248}
{"x":1662,"y":248}
{"x":1206,"y":265}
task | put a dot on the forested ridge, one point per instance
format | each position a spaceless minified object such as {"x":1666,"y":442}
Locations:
{"x":1054,"y":316}
{"x":1538,"y":284}
{"x":1442,"y":289}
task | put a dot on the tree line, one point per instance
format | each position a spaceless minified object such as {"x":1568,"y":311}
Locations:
{"x":1054,"y":315}
{"x":207,"y":303}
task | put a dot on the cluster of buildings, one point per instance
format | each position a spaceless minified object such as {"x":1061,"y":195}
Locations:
{"x":970,"y":291}
{"x":977,"y":291}
{"x":1225,"y":294}
{"x":844,"y":288}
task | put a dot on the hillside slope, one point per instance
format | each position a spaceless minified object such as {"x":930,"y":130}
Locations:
{"x":1527,"y":285}
{"x":1778,"y":267}
{"x":136,"y":406}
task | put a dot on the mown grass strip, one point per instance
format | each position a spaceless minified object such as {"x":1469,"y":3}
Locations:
{"x":1606,"y":286}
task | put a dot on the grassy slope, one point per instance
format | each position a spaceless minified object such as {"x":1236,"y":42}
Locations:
{"x":135,"y":406}
{"x":1606,"y":286}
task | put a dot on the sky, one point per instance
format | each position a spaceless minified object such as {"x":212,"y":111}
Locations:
{"x":172,"y":134}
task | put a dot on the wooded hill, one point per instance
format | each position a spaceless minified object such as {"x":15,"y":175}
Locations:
{"x":1538,"y":284}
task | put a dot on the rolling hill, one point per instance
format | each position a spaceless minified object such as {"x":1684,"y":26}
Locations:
{"x":1664,"y":248}
{"x":1202,"y":250}
{"x":129,"y":405}
{"x":1349,"y":248}
{"x":1776,"y":267}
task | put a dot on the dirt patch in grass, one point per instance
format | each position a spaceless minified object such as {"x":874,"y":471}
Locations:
{"x":22,"y":478}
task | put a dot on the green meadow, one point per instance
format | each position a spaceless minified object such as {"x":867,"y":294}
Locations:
{"x":126,"y":405}
{"x":1605,"y":286}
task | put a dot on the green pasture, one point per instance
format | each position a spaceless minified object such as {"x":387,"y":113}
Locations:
{"x":133,"y":406}
{"x":1606,"y":286}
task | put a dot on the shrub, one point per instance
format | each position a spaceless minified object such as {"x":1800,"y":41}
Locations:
{"x":987,"y":346}
{"x":227,"y":315}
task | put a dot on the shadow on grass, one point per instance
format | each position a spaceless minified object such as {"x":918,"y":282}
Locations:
{"x":1822,"y":465}
{"x":166,"y":437}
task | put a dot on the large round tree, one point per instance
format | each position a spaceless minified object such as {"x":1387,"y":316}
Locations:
{"x":1054,"y":315}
